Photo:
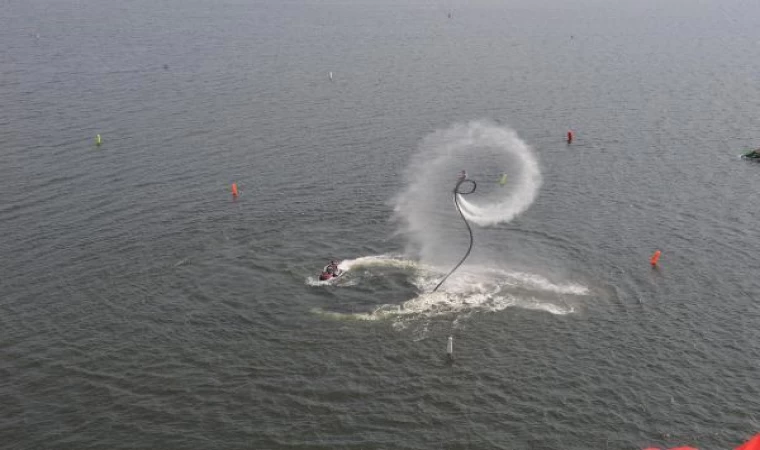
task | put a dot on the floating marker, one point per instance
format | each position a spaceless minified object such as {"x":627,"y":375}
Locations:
{"x":450,"y":348}
{"x":234,"y":190}
{"x":98,"y":140}
{"x":655,"y":258}
{"x":569,"y":136}
{"x":503,"y":179}
{"x":330,"y":76}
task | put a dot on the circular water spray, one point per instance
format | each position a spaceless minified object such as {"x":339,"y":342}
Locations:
{"x":421,"y":209}
{"x":458,"y":192}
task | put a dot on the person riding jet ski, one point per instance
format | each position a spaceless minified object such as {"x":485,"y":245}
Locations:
{"x":330,"y":271}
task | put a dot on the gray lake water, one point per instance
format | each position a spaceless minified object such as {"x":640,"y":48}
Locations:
{"x":141,"y":306}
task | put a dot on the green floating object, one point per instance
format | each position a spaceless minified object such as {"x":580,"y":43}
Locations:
{"x":98,"y":141}
{"x":503,"y":180}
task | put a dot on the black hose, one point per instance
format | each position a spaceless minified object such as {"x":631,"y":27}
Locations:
{"x":469,"y":230}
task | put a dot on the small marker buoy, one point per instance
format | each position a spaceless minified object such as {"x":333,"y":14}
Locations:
{"x":569,"y":136}
{"x":330,"y":76}
{"x":450,"y":348}
{"x":655,"y":258}
{"x":234,"y":190}
{"x":503,"y":179}
{"x":98,"y":141}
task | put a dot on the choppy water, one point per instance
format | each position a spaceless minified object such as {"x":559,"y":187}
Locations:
{"x":142,"y":307}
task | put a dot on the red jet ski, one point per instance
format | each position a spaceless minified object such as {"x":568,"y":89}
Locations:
{"x":330,"y":271}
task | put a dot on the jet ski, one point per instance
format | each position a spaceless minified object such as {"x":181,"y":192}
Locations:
{"x":330,"y":271}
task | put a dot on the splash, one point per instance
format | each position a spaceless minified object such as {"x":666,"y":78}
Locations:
{"x":396,"y":261}
{"x":364,"y":262}
{"x":476,"y":289}
{"x":486,"y":150}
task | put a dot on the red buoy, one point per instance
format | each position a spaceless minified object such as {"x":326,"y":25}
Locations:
{"x":655,"y":258}
{"x":569,"y":136}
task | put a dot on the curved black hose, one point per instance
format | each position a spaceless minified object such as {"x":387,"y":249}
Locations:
{"x":469,"y":230}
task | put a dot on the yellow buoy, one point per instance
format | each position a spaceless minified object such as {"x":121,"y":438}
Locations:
{"x":97,"y":140}
{"x":503,"y":180}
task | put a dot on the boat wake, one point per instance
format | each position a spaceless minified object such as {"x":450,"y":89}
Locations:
{"x":472,"y":289}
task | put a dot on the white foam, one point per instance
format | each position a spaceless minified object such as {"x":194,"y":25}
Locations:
{"x":378,"y":261}
{"x":541,"y":283}
{"x":473,"y":289}
{"x":348,"y":265}
{"x":340,"y":281}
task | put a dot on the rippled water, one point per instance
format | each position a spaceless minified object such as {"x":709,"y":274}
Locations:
{"x":141,"y":306}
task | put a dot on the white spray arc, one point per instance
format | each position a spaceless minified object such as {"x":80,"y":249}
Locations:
{"x":424,"y":210}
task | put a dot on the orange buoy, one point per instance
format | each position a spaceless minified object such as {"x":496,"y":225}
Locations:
{"x":569,"y":136}
{"x":655,"y":258}
{"x":234,"y":190}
